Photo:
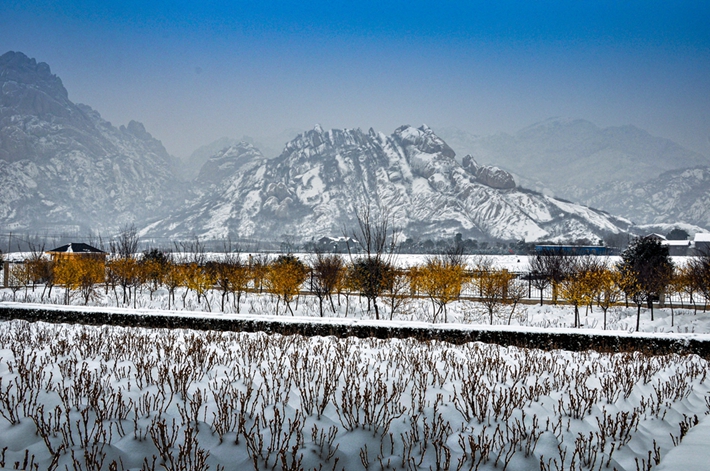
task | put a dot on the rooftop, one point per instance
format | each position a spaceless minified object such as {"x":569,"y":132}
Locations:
{"x":75,"y":247}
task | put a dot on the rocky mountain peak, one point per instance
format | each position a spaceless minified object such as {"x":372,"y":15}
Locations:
{"x":138,"y":130}
{"x":470,"y":165}
{"x":17,"y":67}
{"x":495,"y":178}
{"x":322,"y":177}
{"x":424,"y":139}
{"x":62,"y":167}
{"x":29,"y":87}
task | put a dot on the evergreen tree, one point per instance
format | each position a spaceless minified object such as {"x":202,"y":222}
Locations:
{"x":647,"y":261}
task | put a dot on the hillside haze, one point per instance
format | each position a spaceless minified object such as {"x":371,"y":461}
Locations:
{"x":566,"y":157}
{"x":64,"y":168}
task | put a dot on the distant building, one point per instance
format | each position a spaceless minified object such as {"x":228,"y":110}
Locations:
{"x":75,"y":249}
{"x":677,"y":248}
{"x":337,"y":244}
{"x":702,"y":243}
{"x":573,"y":249}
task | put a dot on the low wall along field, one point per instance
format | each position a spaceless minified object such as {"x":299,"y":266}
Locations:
{"x":545,"y":339}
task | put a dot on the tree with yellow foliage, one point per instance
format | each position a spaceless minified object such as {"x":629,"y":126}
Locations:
{"x":284,"y":279}
{"x":259,"y":267}
{"x":609,"y":290}
{"x":205,"y":281}
{"x":491,"y":284}
{"x":173,"y":279}
{"x":576,"y":286}
{"x":415,"y":276}
{"x":125,"y":270}
{"x":442,"y":281}
{"x":199,"y":279}
{"x":79,"y":273}
{"x":41,"y":271}
{"x":347,"y":285}
{"x":239,"y":279}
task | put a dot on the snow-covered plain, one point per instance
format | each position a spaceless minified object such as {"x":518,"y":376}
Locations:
{"x":81,"y":397}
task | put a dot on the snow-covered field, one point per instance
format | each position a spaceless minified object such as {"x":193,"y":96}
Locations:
{"x":80,"y":397}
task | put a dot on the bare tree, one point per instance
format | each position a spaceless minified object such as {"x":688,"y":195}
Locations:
{"x":125,"y":245}
{"x":538,"y":273}
{"x":327,"y":271}
{"x":396,"y":288}
{"x":550,"y":267}
{"x":377,"y":240}
{"x":191,"y":251}
{"x":124,"y":248}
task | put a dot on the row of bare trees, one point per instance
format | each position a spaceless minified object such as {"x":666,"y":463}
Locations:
{"x":578,"y":281}
{"x":645,"y":274}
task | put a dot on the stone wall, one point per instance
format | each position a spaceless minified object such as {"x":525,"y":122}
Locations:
{"x":572,"y":341}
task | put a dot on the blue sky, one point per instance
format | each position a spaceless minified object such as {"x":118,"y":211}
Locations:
{"x":196,"y":71}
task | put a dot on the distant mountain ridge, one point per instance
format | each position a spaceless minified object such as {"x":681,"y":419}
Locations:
{"x":62,"y":167}
{"x":322,"y":177}
{"x":674,"y":196}
{"x":566,"y":156}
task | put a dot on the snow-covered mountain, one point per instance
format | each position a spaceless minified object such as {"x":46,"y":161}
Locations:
{"x":322,"y":177}
{"x":674,"y":196}
{"x":568,"y":156}
{"x":62,"y":167}
{"x":270,"y":146}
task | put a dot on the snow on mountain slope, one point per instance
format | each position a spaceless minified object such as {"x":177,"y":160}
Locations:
{"x":62,"y":167}
{"x":322,"y":177}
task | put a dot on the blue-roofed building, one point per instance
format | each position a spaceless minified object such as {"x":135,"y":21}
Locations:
{"x":573,"y":249}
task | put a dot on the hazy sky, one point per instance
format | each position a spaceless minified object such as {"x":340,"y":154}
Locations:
{"x":193,"y":71}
